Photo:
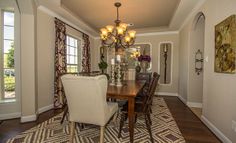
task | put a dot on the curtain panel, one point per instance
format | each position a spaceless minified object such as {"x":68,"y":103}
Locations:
{"x":86,"y":54}
{"x":60,"y":63}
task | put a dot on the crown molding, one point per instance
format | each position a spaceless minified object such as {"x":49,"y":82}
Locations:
{"x":54,"y":14}
{"x":153,"y":34}
{"x":157,"y":33}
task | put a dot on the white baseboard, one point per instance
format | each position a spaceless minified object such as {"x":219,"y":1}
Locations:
{"x":28,"y":118}
{"x":46,"y":108}
{"x":10,"y":116}
{"x":182,"y":99}
{"x":166,"y":94}
{"x":34,"y":117}
{"x":194,"y":104}
{"x":216,"y":131}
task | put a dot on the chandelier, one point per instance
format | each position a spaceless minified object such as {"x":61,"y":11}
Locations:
{"x":118,"y":36}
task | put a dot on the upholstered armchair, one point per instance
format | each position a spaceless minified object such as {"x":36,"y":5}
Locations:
{"x":86,"y":99}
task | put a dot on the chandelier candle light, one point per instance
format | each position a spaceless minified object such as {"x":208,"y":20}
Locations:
{"x":117,"y":36}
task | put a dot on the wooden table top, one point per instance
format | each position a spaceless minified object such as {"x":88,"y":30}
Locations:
{"x":129,"y":88}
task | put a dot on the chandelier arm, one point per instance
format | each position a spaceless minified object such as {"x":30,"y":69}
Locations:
{"x":124,"y":45}
{"x":106,"y":44}
{"x":127,"y":45}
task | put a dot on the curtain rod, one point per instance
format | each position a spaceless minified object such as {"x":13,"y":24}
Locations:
{"x":72,"y":27}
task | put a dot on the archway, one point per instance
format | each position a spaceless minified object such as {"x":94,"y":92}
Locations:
{"x":196,"y":62}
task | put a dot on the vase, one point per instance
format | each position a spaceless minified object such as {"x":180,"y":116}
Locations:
{"x":144,"y":65}
{"x":138,"y":68}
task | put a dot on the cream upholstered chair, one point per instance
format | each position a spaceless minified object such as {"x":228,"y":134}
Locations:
{"x":86,"y":99}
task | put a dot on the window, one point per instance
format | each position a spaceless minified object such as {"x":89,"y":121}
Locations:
{"x":73,"y":54}
{"x":7,"y":57}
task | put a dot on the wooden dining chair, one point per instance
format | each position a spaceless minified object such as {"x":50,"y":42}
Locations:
{"x":142,"y":107}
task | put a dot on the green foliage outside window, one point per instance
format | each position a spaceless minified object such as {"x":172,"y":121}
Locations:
{"x":10,"y":57}
{"x":9,"y":83}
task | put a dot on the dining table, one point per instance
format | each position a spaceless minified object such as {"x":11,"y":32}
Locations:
{"x":128,"y":91}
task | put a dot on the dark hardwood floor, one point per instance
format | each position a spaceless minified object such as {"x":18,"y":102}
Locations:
{"x":192,"y":129}
{"x":10,"y":128}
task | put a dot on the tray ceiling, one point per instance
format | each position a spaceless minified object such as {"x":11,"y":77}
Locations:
{"x":141,"y":13}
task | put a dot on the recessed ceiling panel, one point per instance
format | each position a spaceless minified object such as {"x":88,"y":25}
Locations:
{"x":142,"y":13}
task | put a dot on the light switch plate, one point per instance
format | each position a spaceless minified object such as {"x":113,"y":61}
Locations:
{"x":234,"y":125}
{"x":206,"y":59}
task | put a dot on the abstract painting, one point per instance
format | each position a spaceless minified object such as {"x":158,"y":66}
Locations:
{"x":225,"y":45}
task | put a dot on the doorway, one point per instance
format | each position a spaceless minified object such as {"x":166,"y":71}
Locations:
{"x":196,"y":64}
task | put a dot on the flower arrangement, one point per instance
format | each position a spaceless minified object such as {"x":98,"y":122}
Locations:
{"x":146,"y":58}
{"x":135,"y":54}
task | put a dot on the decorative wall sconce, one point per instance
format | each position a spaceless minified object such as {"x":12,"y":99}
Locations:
{"x":165,"y":50}
{"x":198,"y":62}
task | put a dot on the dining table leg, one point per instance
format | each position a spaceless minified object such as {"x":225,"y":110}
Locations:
{"x":131,"y":118}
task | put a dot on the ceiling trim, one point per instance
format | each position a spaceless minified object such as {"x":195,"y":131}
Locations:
{"x":157,"y":33}
{"x":192,"y":13}
{"x":54,"y":14}
{"x":153,"y":34}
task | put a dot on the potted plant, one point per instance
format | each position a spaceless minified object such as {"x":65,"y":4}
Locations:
{"x":102,"y":65}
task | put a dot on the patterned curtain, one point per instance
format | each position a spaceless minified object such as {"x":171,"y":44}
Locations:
{"x":86,"y":54}
{"x":60,"y":62}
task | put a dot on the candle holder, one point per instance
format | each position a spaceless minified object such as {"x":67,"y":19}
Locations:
{"x":112,"y":75}
{"x":118,"y":83}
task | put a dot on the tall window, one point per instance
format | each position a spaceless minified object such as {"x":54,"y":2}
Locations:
{"x":8,"y":80}
{"x":73,"y":54}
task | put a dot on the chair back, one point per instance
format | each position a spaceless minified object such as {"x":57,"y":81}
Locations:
{"x":86,"y":98}
{"x":151,"y":92}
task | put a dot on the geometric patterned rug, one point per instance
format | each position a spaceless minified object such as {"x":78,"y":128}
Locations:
{"x":164,"y":130}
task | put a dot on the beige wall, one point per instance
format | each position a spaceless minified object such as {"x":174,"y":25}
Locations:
{"x":219,"y":90}
{"x":27,"y":65}
{"x":45,"y":56}
{"x":155,"y":41}
{"x":183,"y":62}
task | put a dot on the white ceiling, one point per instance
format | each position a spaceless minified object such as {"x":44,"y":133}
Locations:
{"x":146,"y":15}
{"x":142,"y":13}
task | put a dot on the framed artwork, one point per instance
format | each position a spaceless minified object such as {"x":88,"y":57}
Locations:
{"x":225,"y":45}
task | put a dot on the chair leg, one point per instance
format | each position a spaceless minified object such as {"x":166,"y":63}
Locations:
{"x":64,"y":114}
{"x":150,"y":110}
{"x":102,"y":128}
{"x":149,"y":128}
{"x":81,"y":126}
{"x":72,"y":131}
{"x":122,"y":121}
{"x":115,"y":116}
{"x":149,"y":118}
{"x":135,"y":120}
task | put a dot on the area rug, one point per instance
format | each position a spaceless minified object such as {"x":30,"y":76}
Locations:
{"x":164,"y":130}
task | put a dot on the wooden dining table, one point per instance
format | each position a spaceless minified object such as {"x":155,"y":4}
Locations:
{"x":128,"y":91}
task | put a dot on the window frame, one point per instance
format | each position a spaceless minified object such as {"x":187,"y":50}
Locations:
{"x":79,"y":53}
{"x":2,"y":87}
